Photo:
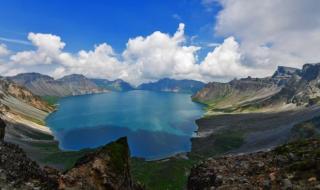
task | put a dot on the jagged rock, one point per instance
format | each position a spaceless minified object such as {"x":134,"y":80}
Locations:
{"x":108,"y":168}
{"x":262,"y":170}
{"x":17,"y":171}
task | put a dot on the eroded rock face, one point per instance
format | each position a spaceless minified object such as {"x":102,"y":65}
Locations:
{"x":292,"y":166}
{"x":17,"y":171}
{"x":106,"y":169}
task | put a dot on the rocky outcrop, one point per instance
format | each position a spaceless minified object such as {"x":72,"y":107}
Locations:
{"x":107,"y":168}
{"x":172,"y":85}
{"x":292,"y":166}
{"x":17,"y":171}
{"x":43,"y":85}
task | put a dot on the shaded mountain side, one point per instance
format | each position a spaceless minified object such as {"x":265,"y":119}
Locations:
{"x":116,"y":85}
{"x":247,"y":132}
{"x":286,"y":89}
{"x":106,"y":168}
{"x":291,"y":166}
{"x":172,"y":85}
{"x":44,"y":85}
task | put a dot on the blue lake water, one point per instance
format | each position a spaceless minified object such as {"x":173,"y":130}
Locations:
{"x":156,"y":124}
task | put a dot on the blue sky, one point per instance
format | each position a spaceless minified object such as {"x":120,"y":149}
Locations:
{"x":141,"y":41}
{"x":81,"y":24}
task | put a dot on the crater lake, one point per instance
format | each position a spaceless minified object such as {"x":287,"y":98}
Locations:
{"x":157,"y":124}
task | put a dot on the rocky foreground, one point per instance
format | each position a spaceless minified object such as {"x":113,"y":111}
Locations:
{"x":291,"y":166}
{"x":106,"y":168}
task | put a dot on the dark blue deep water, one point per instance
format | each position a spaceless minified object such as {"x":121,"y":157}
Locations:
{"x":156,"y":124}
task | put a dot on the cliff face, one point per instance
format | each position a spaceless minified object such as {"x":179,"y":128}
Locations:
{"x":291,"y":166}
{"x":107,"y":168}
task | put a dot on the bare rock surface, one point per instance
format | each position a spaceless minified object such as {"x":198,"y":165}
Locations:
{"x":292,"y":166}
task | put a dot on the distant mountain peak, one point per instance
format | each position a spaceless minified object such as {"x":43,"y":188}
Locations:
{"x":173,"y":85}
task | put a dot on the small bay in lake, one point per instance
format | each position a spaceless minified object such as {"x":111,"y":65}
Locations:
{"x":157,"y":124}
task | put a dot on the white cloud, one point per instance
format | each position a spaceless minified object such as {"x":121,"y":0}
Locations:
{"x":272,"y":32}
{"x":224,"y":61}
{"x":4,"y":50}
{"x":48,"y":49}
{"x":160,"y":55}
{"x":144,"y":59}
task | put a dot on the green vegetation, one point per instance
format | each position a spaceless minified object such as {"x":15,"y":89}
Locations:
{"x":228,"y":140}
{"x":55,"y":156}
{"x":170,"y":173}
{"x":51,"y":100}
{"x":306,"y":155}
{"x":119,"y":154}
{"x":219,"y":143}
{"x":306,"y":129}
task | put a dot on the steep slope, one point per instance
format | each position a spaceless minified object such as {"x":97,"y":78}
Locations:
{"x":116,"y":85}
{"x":79,"y":84}
{"x":19,"y":105}
{"x":43,"y":85}
{"x":287,"y":88}
{"x":106,"y":168}
{"x":172,"y":85}
{"x":291,"y":166}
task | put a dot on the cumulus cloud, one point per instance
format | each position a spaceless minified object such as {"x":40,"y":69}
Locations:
{"x":160,"y":55}
{"x":224,"y":61}
{"x":144,"y":59}
{"x":272,"y":32}
{"x":3,"y":50}
{"x":48,"y":49}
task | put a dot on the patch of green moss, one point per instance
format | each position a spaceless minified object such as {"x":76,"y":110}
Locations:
{"x":118,"y":152}
{"x":51,"y":100}
{"x":170,"y":174}
{"x":55,"y":156}
{"x":218,"y":143}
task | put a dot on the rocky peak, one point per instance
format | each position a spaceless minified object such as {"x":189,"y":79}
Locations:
{"x":29,"y":77}
{"x":285,"y":72}
{"x":106,"y":168}
{"x":310,"y":71}
{"x":73,"y":77}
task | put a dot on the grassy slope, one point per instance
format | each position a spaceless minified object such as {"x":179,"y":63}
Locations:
{"x":51,"y":100}
{"x":166,"y":174}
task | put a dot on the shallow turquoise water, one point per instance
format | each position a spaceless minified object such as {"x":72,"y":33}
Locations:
{"x":157,"y":124}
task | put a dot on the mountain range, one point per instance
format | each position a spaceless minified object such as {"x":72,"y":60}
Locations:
{"x":75,"y":84}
